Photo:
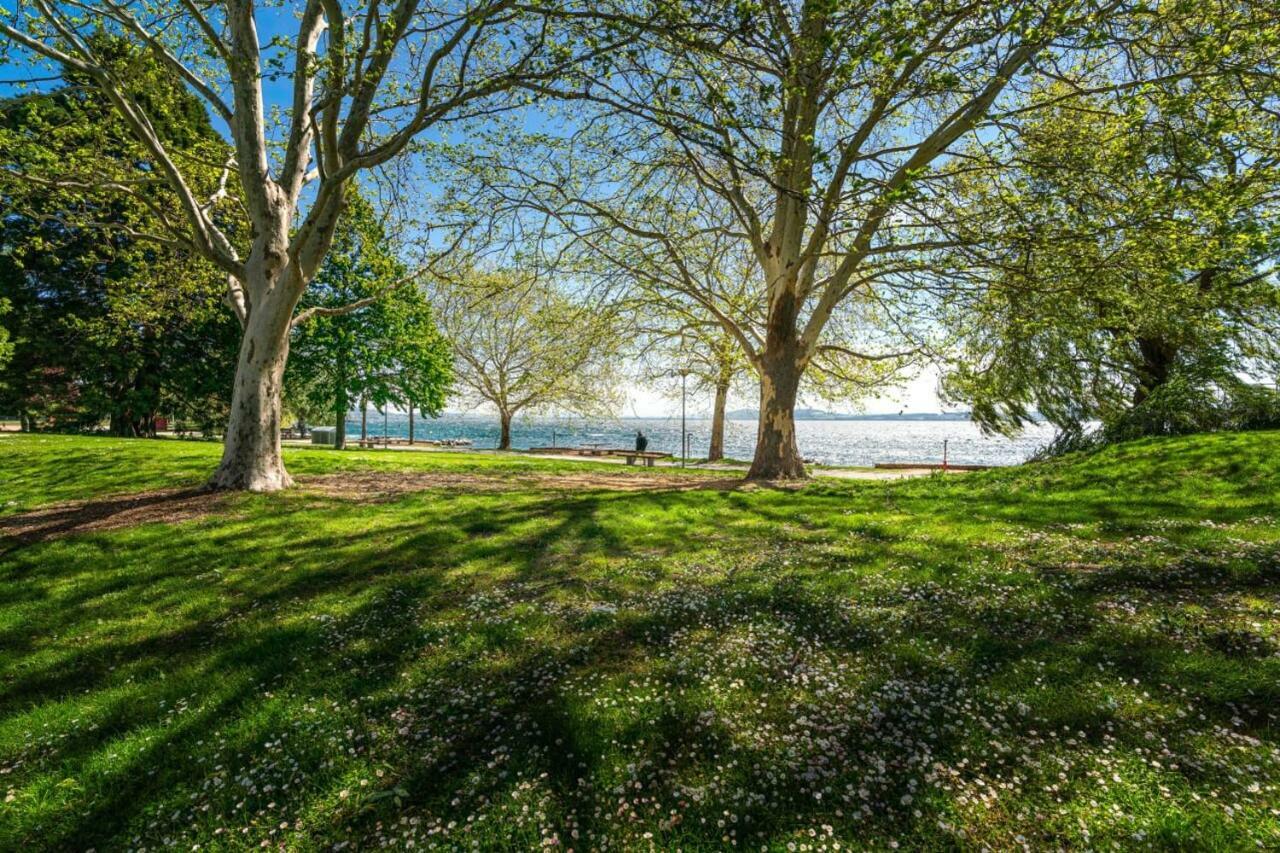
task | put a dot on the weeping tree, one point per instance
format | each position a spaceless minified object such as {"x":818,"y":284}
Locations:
{"x":362,"y":81}
{"x":524,"y":346}
{"x":1131,"y":247}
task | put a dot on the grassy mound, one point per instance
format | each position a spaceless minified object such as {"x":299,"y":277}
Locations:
{"x":468,"y":650}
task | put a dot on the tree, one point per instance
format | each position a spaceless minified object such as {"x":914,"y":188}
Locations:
{"x":108,"y":325}
{"x":385,"y":350}
{"x":678,"y":339}
{"x":526,"y":347}
{"x":824,"y":128}
{"x":364,"y":81}
{"x":6,"y":345}
{"x":1133,"y":243}
{"x":422,"y":362}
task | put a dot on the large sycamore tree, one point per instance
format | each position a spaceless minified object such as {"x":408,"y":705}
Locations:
{"x":310,"y":94}
{"x":822,"y":126}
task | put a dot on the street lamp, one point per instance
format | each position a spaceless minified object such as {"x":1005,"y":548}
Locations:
{"x":684,"y":444}
{"x":684,"y":376}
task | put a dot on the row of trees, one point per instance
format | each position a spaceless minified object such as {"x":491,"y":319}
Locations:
{"x":840,"y":189}
{"x":1038,"y":186}
{"x":111,"y":327}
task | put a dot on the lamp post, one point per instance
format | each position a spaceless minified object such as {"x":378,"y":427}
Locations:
{"x":684,"y":376}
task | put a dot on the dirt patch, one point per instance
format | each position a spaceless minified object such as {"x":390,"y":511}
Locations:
{"x":171,"y":506}
{"x":377,"y":486}
{"x":166,"y":505}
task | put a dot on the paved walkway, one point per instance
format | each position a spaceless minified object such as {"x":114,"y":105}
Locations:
{"x":841,"y":473}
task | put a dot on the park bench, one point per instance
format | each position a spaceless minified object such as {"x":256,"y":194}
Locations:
{"x":380,"y":442}
{"x":647,"y":455}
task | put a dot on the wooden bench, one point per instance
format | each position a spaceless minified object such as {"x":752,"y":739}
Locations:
{"x":647,"y":455}
{"x":372,"y":443}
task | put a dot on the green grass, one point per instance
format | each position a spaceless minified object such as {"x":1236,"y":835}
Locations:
{"x":1080,"y":654}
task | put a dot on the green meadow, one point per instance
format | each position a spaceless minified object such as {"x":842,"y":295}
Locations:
{"x":485,"y":651}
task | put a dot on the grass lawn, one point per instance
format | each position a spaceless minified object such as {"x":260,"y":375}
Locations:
{"x":488,"y":652}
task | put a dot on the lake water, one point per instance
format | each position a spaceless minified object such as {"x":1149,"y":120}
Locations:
{"x":827,"y":442}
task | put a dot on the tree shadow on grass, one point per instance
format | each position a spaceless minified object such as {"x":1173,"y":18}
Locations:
{"x":471,"y":648}
{"x":169,"y":506}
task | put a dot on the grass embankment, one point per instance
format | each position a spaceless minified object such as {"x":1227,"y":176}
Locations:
{"x":464,"y":650}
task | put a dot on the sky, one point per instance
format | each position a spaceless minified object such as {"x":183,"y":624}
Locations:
{"x":917,"y":396}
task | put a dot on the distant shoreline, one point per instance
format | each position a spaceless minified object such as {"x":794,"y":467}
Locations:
{"x":739,"y":415}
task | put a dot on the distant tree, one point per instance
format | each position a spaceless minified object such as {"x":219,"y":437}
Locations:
{"x":385,"y":350}
{"x":106,"y":323}
{"x":1133,"y":242}
{"x":678,"y":341}
{"x":527,"y":347}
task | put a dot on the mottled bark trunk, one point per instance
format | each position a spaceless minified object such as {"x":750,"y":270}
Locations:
{"x":782,"y":363}
{"x":716,"y":451}
{"x":251,"y":457}
{"x":364,"y":419}
{"x":504,"y":440}
{"x":410,"y":422}
{"x":1156,"y":364}
{"x":777,"y":456}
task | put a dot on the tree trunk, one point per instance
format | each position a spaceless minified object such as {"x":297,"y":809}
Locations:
{"x":251,"y":457}
{"x":1157,"y":358}
{"x":364,"y":419}
{"x":340,"y":428}
{"x":411,"y":423}
{"x":121,"y":425}
{"x":777,"y":457}
{"x":504,"y":440}
{"x":716,"y":451}
{"x":782,"y":363}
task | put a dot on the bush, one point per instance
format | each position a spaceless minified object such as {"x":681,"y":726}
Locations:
{"x":1182,"y":406}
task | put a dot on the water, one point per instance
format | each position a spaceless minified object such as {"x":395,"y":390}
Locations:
{"x":827,"y":442}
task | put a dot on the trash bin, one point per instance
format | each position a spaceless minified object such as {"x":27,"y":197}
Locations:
{"x":324,"y":435}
